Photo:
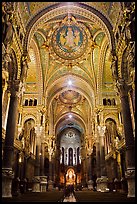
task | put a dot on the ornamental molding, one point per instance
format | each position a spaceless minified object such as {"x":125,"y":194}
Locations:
{"x":130,"y":173}
{"x":27,"y":116}
{"x":38,"y":67}
{"x":102,"y":180}
{"x":100,"y":72}
{"x":15,"y":87}
{"x":7,"y":172}
{"x":123,"y":87}
{"x":36,"y":179}
{"x":61,"y":11}
{"x":101,"y":130}
{"x":112,"y":116}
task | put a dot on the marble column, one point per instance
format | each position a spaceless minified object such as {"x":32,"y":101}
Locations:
{"x":102,"y":182}
{"x":124,"y":89}
{"x":89,"y":168}
{"x":50,"y":182}
{"x":5,"y":115}
{"x":8,"y":151}
{"x":98,"y":157}
{"x":36,"y":179}
{"x":43,"y":178}
{"x":42,"y":160}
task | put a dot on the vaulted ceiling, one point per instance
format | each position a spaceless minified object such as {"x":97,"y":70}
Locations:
{"x":69,"y":46}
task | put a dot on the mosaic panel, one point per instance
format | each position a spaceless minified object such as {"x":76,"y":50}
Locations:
{"x":69,"y":42}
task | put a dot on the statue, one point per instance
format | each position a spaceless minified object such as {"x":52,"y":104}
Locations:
{"x":114,"y":66}
{"x":7,"y":17}
{"x":23,"y":67}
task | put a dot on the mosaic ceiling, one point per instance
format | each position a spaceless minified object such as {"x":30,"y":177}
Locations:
{"x":70,"y":44}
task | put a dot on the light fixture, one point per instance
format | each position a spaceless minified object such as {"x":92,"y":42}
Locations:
{"x":70,"y":116}
{"x":69,"y":82}
{"x":20,"y":160}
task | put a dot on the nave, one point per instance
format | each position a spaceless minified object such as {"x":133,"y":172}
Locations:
{"x":80,"y":196}
{"x":68,"y":100}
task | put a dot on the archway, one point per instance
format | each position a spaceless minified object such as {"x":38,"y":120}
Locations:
{"x":70,"y":177}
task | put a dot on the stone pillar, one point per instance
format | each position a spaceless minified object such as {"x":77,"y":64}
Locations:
{"x":89,"y":168}
{"x":43,"y":178}
{"x":4,"y":118}
{"x":8,"y":151}
{"x":102,"y":182}
{"x":42,"y":160}
{"x":50,"y":182}
{"x":123,"y":89}
{"x":98,"y":157}
{"x":90,"y":182}
{"x":36,"y":179}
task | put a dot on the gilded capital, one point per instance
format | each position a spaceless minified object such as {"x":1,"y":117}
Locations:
{"x":123,"y":87}
{"x":101,"y":130}
{"x":15,"y":87}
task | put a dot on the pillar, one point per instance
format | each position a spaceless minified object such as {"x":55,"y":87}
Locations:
{"x":102,"y":182}
{"x":43,"y":178}
{"x":98,"y":157}
{"x":8,"y":151}
{"x":50,"y":182}
{"x":90,"y":182}
{"x":124,"y":89}
{"x":42,"y":160}
{"x":36,"y":179}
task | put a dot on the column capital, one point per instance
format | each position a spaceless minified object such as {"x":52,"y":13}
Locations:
{"x":123,"y":87}
{"x":101,"y":130}
{"x":130,"y":173}
{"x":15,"y":87}
{"x":7,"y":172}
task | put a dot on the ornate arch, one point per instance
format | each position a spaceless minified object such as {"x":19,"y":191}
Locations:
{"x":29,"y":116}
{"x":13,"y":66}
{"x":102,"y":20}
{"x":111,"y":116}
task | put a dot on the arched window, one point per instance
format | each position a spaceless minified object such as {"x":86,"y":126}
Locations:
{"x":35,"y":102}
{"x":70,"y":156}
{"x":78,"y":155}
{"x":113,"y":102}
{"x":62,"y":155}
{"x":104,"y":101}
{"x":26,"y":102}
{"x":109,"y":102}
{"x":30,"y":102}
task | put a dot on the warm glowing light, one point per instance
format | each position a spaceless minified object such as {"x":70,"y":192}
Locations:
{"x":69,"y":82}
{"x":70,"y":116}
{"x":20,"y":160}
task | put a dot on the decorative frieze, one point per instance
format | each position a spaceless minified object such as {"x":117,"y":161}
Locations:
{"x":7,"y":172}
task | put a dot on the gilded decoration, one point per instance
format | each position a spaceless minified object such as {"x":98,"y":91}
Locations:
{"x":70,"y":40}
{"x":70,"y":97}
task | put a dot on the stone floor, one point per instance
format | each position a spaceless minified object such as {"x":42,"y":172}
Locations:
{"x":79,"y":196}
{"x":70,"y":198}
